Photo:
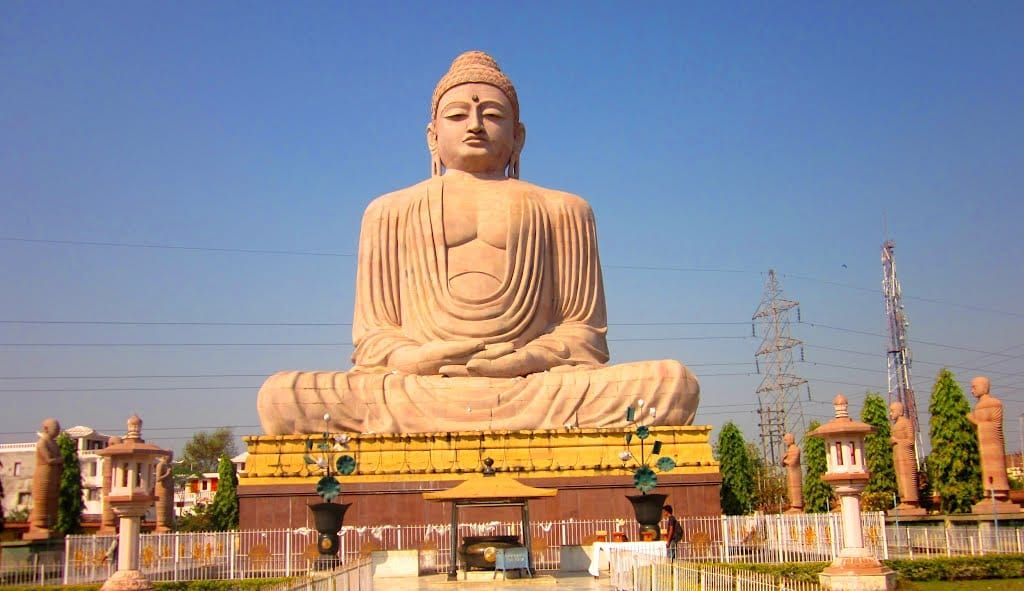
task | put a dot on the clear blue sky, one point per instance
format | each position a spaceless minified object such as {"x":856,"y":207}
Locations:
{"x":708,"y":137}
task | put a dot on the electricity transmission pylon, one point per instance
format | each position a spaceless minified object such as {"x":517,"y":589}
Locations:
{"x":779,"y":407}
{"x":899,"y":358}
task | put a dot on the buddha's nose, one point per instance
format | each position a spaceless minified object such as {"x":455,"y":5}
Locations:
{"x":476,"y":122}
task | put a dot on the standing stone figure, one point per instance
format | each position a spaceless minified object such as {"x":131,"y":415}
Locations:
{"x":904,"y":460}
{"x":108,"y":522}
{"x":479,"y":300}
{"x":45,"y":482}
{"x":164,"y":494}
{"x":987,"y":416}
{"x":794,"y":475}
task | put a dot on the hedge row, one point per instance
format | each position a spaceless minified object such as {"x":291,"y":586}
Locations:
{"x":231,"y":585}
{"x":960,"y":568}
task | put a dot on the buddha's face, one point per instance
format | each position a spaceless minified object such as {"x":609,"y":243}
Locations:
{"x":895,"y":410}
{"x":474,"y":130}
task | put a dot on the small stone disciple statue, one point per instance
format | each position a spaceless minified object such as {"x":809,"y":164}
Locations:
{"x":794,"y":474}
{"x":904,"y":458}
{"x":108,"y":522}
{"x":164,"y":489}
{"x":45,"y":481}
{"x":479,"y":301}
{"x":988,"y":418}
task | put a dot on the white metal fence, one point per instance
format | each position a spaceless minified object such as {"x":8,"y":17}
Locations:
{"x":633,"y":571}
{"x":928,"y":541}
{"x":272,"y":553}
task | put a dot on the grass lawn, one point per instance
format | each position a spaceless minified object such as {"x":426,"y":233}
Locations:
{"x":982,"y":585}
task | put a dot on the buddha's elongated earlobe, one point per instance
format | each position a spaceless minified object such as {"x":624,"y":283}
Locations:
{"x":436,"y":167}
{"x":514,"y":162}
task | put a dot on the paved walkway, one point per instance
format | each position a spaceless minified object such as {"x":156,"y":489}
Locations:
{"x":543,"y":581}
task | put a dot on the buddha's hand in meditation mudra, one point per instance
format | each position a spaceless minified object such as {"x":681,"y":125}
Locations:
{"x":471,"y":357}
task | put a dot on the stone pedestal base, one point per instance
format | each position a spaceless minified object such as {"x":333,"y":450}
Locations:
{"x":988,"y":507}
{"x":127,"y":580}
{"x":395,"y":470}
{"x":861,"y":573}
{"x":904,"y":510}
{"x":857,"y":569}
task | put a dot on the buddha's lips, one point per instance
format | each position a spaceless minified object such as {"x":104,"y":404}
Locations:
{"x":475,"y":140}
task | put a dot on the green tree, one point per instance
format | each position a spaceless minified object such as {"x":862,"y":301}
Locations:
{"x":817,"y":492}
{"x":224,"y":510}
{"x":737,"y":468}
{"x":954,"y":462}
{"x":202,"y":453}
{"x":878,"y":452}
{"x":69,"y":493}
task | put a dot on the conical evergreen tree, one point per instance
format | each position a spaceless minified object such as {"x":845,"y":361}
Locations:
{"x":225,"y":502}
{"x":817,"y":492}
{"x":954,"y":464}
{"x":69,"y":493}
{"x":737,"y":468}
{"x":878,"y":453}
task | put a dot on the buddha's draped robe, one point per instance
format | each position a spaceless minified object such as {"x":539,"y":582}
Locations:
{"x":904,"y":459}
{"x":988,"y":417}
{"x":551,"y":297}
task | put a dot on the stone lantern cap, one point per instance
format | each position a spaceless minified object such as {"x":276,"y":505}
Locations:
{"x":133,"y":461}
{"x":844,"y":445}
{"x":842,"y":425}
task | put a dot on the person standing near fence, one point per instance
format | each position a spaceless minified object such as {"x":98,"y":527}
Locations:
{"x":673,"y":533}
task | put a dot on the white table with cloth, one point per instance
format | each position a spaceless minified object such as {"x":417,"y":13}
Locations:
{"x":601,"y":551}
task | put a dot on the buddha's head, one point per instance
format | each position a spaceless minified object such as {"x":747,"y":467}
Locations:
{"x":980,"y":386}
{"x":475,"y":125}
{"x":51,"y":427}
{"x":789,"y":439}
{"x":895,"y":410}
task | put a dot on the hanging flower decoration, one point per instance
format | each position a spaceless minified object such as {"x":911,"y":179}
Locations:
{"x":644,"y":478}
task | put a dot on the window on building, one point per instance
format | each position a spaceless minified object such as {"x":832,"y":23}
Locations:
{"x":16,"y":471}
{"x":92,"y":494}
{"x":94,"y":468}
{"x":24,"y":498}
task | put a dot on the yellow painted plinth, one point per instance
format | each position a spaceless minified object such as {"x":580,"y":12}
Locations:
{"x":278,"y":459}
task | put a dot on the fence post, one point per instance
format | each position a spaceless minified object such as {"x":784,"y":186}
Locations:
{"x":288,"y":554}
{"x":779,"y":535}
{"x":67,"y":559}
{"x":231,"y":556}
{"x":725,"y":540}
{"x":177,"y":552}
{"x":885,"y":541}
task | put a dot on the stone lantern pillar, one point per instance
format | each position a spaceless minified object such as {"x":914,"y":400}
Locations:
{"x":132,"y":481}
{"x":855,"y":569}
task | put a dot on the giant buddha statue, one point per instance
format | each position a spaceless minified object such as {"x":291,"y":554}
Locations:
{"x":479,"y":302}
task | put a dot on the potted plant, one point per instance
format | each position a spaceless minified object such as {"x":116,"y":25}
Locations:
{"x":328,"y":515}
{"x":647,"y":507}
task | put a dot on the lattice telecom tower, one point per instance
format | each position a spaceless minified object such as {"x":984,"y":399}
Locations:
{"x":899,"y":358}
{"x":779,"y":406}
